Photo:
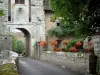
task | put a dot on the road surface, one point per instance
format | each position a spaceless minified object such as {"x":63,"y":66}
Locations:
{"x":29,"y":66}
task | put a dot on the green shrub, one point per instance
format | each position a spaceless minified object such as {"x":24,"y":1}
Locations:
{"x":63,"y":49}
{"x":73,"y":42}
{"x":1,"y":12}
{"x":8,"y":69}
{"x":8,"y":72}
{"x":8,"y":66}
{"x":14,"y":40}
{"x":19,"y":47}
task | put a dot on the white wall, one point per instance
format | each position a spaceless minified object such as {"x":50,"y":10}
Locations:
{"x":20,"y":12}
{"x":38,"y":13}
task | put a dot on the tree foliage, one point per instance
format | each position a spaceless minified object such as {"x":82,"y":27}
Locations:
{"x":17,"y":45}
{"x":73,"y":14}
{"x":14,"y":40}
{"x":56,"y":31}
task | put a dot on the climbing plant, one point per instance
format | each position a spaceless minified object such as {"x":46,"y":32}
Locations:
{"x":1,"y":12}
{"x":73,"y":14}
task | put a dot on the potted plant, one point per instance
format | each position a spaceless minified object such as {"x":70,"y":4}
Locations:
{"x":73,"y":49}
{"x":65,"y":43}
{"x":43,"y":45}
{"x":54,"y":44}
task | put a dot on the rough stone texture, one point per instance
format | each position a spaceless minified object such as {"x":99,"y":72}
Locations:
{"x":96,"y":41}
{"x":5,"y":42}
{"x":38,"y":16}
{"x":74,"y":61}
{"x":5,"y":38}
{"x":47,"y":5}
{"x":20,"y":19}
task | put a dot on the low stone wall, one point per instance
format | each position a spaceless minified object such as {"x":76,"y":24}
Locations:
{"x":78,"y":62}
{"x":7,"y":56}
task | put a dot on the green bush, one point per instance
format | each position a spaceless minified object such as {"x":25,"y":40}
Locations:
{"x":64,"y":50}
{"x":8,"y":66}
{"x":1,"y":12}
{"x":73,"y":42}
{"x":14,"y":40}
{"x":8,"y":72}
{"x":19,"y":47}
{"x":8,"y":69}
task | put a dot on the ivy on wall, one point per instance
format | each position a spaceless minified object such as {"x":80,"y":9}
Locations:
{"x":1,"y":12}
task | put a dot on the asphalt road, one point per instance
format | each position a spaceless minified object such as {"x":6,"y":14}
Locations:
{"x":29,"y":66}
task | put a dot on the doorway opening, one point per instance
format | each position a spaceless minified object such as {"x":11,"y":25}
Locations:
{"x":23,"y":35}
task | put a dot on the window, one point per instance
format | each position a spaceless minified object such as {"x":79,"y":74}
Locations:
{"x":29,"y":10}
{"x":19,"y":1}
{"x":9,"y":10}
{"x":9,"y":18}
{"x":29,"y":19}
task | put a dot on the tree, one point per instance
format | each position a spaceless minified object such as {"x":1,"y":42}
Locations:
{"x":94,"y":13}
{"x":14,"y":40}
{"x":19,"y":47}
{"x":73,"y":16}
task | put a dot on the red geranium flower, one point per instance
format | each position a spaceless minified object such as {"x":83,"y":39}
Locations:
{"x":58,"y":49}
{"x":78,"y":44}
{"x":54,"y":43}
{"x":73,"y":49}
{"x":42,"y":43}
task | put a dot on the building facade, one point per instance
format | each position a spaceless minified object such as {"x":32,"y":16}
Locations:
{"x":27,"y":16}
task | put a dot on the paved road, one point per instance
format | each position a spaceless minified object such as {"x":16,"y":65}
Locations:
{"x":35,"y":67}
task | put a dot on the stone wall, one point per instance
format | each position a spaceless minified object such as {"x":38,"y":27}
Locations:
{"x":5,"y":42}
{"x":47,"y":4}
{"x":5,"y":47}
{"x":78,"y":62}
{"x":38,"y":17}
{"x":5,"y":38}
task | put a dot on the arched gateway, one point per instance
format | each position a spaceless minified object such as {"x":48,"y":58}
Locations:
{"x":27,"y":40}
{"x":27,"y":16}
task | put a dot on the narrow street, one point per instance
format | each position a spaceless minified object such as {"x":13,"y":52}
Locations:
{"x":35,"y":67}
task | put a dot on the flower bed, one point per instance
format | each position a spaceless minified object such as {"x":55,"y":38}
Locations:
{"x":73,"y":45}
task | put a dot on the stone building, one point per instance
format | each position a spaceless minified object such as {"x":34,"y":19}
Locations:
{"x":27,"y":16}
{"x":5,"y":38}
{"x":32,"y":17}
{"x":48,"y":21}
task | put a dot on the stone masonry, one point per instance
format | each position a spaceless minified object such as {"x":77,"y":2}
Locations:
{"x":5,"y":38}
{"x":78,"y":62}
{"x":20,"y":13}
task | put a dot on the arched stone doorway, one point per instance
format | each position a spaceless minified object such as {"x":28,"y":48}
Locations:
{"x":27,"y":41}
